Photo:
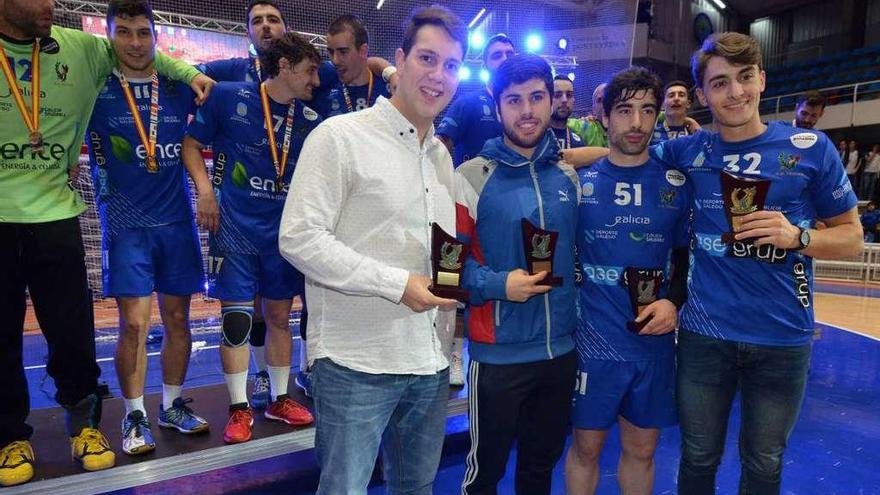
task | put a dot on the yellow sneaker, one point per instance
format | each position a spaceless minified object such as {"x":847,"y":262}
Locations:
{"x":16,"y":463}
{"x":92,"y":450}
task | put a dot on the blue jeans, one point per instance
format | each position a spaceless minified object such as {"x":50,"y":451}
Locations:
{"x":356,"y":411}
{"x":869,"y":182}
{"x":771,"y":381}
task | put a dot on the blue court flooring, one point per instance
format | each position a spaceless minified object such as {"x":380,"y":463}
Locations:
{"x":834,"y":449}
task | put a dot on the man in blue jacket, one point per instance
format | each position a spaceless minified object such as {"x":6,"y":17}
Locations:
{"x":523,"y":364}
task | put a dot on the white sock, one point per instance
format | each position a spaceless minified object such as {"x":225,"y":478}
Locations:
{"x":457,"y":345}
{"x":303,"y":356}
{"x":236,"y":383}
{"x":278,"y":377}
{"x":136,"y":404}
{"x":259,"y":357}
{"x":169,"y":393}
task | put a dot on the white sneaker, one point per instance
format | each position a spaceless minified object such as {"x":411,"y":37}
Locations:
{"x":456,"y":371}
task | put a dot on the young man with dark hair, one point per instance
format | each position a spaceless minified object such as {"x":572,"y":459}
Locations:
{"x":522,"y":366}
{"x":149,"y":238}
{"x":55,"y":74}
{"x":350,"y":85}
{"x":472,"y":119}
{"x":808,"y":110}
{"x":626,"y":374}
{"x":379,"y":372}
{"x":256,"y":131}
{"x":673,"y":122}
{"x":762,"y":349}
{"x":563,"y":105}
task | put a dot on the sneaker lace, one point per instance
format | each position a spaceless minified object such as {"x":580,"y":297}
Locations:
{"x":137,"y":425}
{"x":94,"y":438}
{"x":261,"y":384}
{"x":290,"y":405}
{"x":240,"y":417}
{"x":179,"y":410}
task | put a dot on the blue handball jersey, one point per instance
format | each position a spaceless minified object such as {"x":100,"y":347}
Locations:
{"x":470,"y":121}
{"x":664,"y":132}
{"x":628,"y":217}
{"x":739,"y":292}
{"x":232,"y":70}
{"x":126,"y":194}
{"x":231,"y":121}
{"x":567,"y":139}
{"x":329,"y":98}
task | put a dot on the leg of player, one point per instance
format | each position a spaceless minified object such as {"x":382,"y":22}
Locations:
{"x":303,"y":378}
{"x":278,"y":354}
{"x":260,"y":392}
{"x":237,"y":318}
{"x":131,"y":368}
{"x":635,"y":470}
{"x":176,"y":349}
{"x":456,"y":365}
{"x":582,"y":461}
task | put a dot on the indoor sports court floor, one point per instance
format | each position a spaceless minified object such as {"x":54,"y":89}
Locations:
{"x":834,"y":449}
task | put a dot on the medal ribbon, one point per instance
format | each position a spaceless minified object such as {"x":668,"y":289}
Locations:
{"x":32,"y":119}
{"x":257,"y":70}
{"x":270,"y":133}
{"x":369,"y":93}
{"x":148,"y":142}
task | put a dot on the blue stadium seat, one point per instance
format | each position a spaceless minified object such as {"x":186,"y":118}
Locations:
{"x":848,"y":64}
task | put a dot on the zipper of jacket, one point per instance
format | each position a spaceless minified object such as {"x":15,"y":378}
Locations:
{"x":534,"y":175}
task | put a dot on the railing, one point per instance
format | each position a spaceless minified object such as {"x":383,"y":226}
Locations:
{"x":864,"y":267}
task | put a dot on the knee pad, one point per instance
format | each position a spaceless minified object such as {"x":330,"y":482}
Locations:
{"x":235,"y":325}
{"x":258,"y":333}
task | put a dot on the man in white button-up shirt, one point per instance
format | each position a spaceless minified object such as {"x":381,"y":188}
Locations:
{"x":357,"y":223}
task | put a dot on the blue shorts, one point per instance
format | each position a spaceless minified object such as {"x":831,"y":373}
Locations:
{"x":166,"y":259}
{"x":643,"y":392}
{"x":239,"y":277}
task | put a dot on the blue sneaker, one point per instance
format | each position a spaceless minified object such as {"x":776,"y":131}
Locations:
{"x":182,"y":418}
{"x":303,"y":380}
{"x":260,"y":394}
{"x":137,"y":437}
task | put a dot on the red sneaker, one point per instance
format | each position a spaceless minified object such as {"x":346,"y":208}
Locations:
{"x":289,"y":411}
{"x":240,"y":426}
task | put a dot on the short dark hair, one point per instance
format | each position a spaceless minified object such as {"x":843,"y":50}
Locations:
{"x":498,"y":38}
{"x":129,"y":8}
{"x":677,"y":82}
{"x":352,"y":23}
{"x":270,"y":3}
{"x":519,"y":69}
{"x":290,"y":46}
{"x":627,"y":83}
{"x":560,"y":77}
{"x":439,"y":16}
{"x":811,"y":98}
{"x":736,"y":48}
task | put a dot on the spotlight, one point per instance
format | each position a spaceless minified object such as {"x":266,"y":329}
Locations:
{"x":477,"y":40}
{"x":571,"y":76}
{"x":484,"y":75}
{"x":464,"y":73}
{"x":562,"y":44}
{"x":533,"y":43}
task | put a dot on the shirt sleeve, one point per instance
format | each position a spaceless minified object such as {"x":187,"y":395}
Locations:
{"x":453,"y":123}
{"x":307,"y":236}
{"x":830,"y":189}
{"x":173,"y":68}
{"x":218,"y":70}
{"x":479,"y":279}
{"x":205,"y":125}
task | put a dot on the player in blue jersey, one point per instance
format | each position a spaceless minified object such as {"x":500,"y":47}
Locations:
{"x":149,"y":239}
{"x":472,"y":119}
{"x":256,"y":131}
{"x":563,"y":105}
{"x":633,"y":219}
{"x":674,"y":122}
{"x":351,"y":85}
{"x":748,"y":321}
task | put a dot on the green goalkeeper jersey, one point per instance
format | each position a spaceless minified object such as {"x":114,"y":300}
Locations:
{"x":34,"y":186}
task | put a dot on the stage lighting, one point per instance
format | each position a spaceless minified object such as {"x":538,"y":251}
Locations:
{"x":464,"y":73}
{"x":484,"y":75}
{"x":571,"y":76}
{"x":476,"y":18}
{"x":562,"y":44}
{"x":533,"y":43}
{"x":477,"y":40}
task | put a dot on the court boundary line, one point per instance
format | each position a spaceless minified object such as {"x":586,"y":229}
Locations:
{"x":850,"y":330}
